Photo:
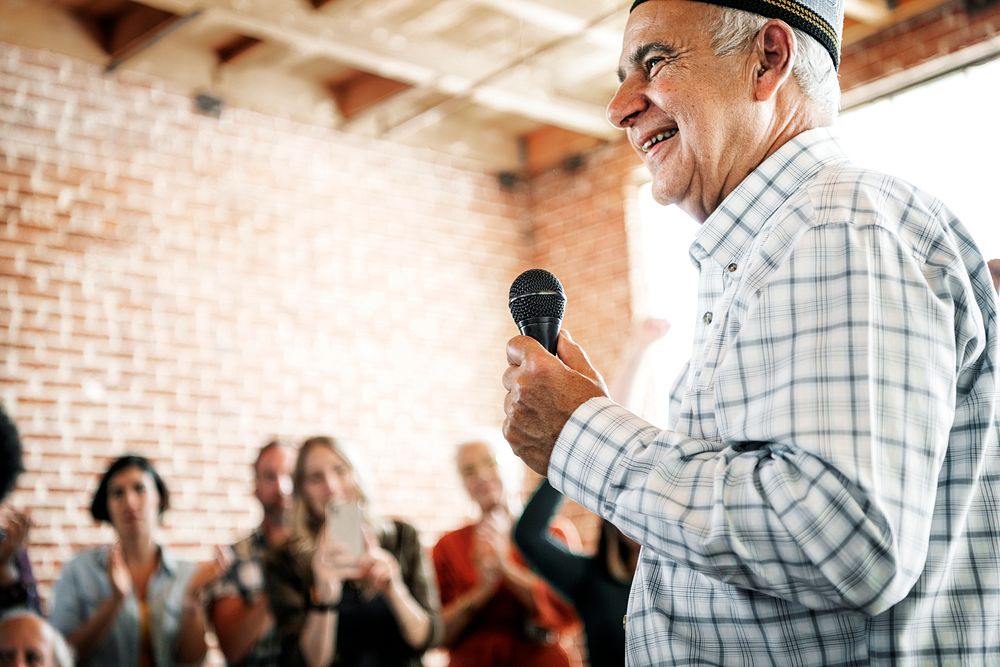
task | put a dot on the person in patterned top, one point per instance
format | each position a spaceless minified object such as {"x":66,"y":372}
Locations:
{"x":238,"y":606}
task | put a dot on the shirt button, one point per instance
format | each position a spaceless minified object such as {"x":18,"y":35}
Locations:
{"x":624,"y":618}
{"x":732,"y":267}
{"x":707,"y":317}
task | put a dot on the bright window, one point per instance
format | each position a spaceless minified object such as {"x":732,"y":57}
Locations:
{"x":943,"y":135}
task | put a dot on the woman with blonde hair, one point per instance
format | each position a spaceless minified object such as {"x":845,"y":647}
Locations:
{"x":333,"y":607}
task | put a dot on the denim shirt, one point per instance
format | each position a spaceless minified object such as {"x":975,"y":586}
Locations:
{"x":84,"y":584}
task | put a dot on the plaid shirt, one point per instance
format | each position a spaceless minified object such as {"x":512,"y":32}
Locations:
{"x":245,"y":579}
{"x":829,"y":491}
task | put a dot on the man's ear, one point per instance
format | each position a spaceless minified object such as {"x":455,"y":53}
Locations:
{"x":774,"y":52}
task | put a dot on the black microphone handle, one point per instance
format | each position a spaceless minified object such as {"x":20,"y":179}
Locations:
{"x":543,"y":329}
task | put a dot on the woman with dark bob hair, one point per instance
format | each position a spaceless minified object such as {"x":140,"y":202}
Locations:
{"x":376,"y":610}
{"x":132,"y":603}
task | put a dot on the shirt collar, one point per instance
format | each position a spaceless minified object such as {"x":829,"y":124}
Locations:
{"x":167,"y":561}
{"x":726,"y":235}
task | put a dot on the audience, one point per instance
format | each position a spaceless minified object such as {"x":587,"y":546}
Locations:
{"x":132,"y":603}
{"x":379,"y":611}
{"x":496,"y":612}
{"x":286,"y":594}
{"x":17,"y":584}
{"x":237,"y":605}
{"x":27,"y":640}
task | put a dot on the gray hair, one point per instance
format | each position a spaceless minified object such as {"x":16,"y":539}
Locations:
{"x":735,"y":29}
{"x":61,"y":651}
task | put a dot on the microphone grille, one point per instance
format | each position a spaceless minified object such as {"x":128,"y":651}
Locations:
{"x":536,"y":293}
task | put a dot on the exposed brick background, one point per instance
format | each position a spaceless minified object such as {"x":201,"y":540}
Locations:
{"x":183,"y":287}
{"x":939,"y":32}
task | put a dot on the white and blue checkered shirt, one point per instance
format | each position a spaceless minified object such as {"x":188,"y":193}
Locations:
{"x":829,"y":491}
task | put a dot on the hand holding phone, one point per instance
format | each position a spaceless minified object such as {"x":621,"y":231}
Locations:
{"x":343,"y":526}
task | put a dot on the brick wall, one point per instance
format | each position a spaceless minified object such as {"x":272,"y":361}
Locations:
{"x":918,"y":42}
{"x":182,"y":286}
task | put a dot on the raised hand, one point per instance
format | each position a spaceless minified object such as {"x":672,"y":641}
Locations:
{"x":14,"y":527}
{"x":491,"y":548}
{"x":379,"y":569}
{"x":210,"y":570}
{"x":118,"y":573}
{"x":649,"y":330}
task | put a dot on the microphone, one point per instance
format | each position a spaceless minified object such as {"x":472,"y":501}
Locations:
{"x":537,"y":303}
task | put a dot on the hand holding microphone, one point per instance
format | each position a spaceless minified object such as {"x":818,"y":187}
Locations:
{"x":542,"y":390}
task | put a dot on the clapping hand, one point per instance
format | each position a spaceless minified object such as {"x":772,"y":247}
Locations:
{"x":118,"y":573}
{"x":491,"y":549}
{"x":14,"y":527}
{"x":210,"y":570}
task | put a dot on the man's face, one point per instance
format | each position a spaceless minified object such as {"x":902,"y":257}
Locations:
{"x":24,"y":643}
{"x":273,"y":479}
{"x":480,"y":475}
{"x":682,"y":106}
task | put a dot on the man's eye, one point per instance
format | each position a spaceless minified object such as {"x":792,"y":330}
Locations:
{"x":651,"y":63}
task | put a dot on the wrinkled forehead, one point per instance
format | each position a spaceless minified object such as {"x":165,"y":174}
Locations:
{"x":23,"y":633}
{"x":471,"y":453}
{"x":679,"y":23}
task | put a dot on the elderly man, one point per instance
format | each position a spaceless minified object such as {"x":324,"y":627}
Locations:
{"x":828,"y":489}
{"x":27,"y":640}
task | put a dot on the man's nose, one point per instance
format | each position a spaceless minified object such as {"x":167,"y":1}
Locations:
{"x":626,"y":105}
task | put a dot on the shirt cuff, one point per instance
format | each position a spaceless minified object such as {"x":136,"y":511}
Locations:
{"x":588,"y":453}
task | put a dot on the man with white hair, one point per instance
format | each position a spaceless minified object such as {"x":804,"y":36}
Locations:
{"x":828,"y":489}
{"x":27,"y":640}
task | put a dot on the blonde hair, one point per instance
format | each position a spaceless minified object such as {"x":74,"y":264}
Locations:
{"x":306,"y":526}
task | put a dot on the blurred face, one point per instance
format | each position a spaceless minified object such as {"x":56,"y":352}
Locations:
{"x":326,"y":478}
{"x":682,"y":107}
{"x":273,"y":480}
{"x":481,"y":475}
{"x":24,"y":643}
{"x":133,"y":502}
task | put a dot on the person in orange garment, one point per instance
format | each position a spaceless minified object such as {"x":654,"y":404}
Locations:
{"x":496,"y":612}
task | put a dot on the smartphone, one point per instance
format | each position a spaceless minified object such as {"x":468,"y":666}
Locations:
{"x":343,"y":525}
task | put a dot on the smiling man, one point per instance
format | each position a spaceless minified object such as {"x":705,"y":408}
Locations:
{"x":828,"y":487}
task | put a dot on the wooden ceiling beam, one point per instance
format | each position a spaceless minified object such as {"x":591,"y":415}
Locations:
{"x":235,"y":47}
{"x":439,"y":67}
{"x":555,"y":20}
{"x":134,"y":26}
{"x":139,"y":29}
{"x":362,"y":91}
{"x":867,"y":11}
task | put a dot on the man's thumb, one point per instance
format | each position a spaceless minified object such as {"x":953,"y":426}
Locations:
{"x":573,"y":356}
